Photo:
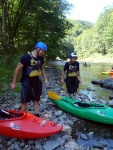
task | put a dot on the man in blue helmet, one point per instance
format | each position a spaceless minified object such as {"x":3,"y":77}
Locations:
{"x":72,"y":79}
{"x":31,"y":65}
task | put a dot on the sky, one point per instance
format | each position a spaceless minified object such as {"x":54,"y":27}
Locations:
{"x":87,"y":10}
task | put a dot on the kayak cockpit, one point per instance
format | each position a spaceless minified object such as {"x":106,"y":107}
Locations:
{"x":89,"y":105}
{"x":11,"y":114}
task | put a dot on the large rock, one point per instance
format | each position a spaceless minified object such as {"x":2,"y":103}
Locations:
{"x":107,"y":83}
{"x":95,"y":81}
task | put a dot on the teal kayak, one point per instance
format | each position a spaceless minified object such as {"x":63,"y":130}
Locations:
{"x":97,"y":112}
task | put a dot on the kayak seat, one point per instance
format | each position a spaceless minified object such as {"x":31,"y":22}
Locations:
{"x":16,"y":115}
{"x":81,"y":104}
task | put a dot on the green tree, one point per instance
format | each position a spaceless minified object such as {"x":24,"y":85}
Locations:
{"x":30,"y":21}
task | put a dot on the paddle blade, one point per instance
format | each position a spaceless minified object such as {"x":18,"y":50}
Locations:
{"x":54,"y":95}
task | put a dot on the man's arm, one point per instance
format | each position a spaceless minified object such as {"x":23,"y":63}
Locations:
{"x":16,"y":73}
{"x":44,"y":75}
{"x":63,"y":73}
{"x":62,"y":76}
{"x":79,"y":77}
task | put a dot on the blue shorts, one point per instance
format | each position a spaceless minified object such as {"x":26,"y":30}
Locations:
{"x":31,"y":89}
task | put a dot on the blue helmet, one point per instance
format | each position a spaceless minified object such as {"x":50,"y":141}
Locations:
{"x":73,"y":55}
{"x":41,"y":45}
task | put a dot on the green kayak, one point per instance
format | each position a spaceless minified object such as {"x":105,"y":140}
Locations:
{"x":92,"y":111}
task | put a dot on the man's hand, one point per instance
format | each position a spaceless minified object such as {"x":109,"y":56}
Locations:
{"x":62,"y":81}
{"x":13,"y":86}
{"x":47,"y":82}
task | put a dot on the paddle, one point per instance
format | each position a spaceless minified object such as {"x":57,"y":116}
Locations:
{"x":55,"y":96}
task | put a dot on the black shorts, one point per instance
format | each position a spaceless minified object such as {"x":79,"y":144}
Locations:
{"x":72,"y":84}
{"x":31,"y":89}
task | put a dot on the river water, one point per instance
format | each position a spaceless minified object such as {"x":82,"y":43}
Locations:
{"x":90,"y":73}
{"x":101,"y":131}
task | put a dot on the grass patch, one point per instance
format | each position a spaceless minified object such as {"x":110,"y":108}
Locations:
{"x":8,"y":64}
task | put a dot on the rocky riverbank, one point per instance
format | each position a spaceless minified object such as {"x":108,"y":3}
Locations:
{"x":61,"y":141}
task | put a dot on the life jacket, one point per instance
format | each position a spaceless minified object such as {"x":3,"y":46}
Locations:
{"x":72,"y":71}
{"x":34,"y":68}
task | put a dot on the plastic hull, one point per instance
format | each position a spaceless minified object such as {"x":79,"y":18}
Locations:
{"x":96,"y":112}
{"x":107,"y":73}
{"x":27,"y":126}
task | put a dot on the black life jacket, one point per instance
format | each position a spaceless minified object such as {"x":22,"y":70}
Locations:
{"x":34,"y":68}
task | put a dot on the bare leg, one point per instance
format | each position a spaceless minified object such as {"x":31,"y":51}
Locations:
{"x":36,"y":106}
{"x":67,"y":92}
{"x":24,"y":107}
{"x":76,"y":94}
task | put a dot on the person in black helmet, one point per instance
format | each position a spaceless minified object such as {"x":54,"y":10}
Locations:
{"x":32,"y":68}
{"x":72,"y":79}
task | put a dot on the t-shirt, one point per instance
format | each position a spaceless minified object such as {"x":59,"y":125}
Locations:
{"x":75,"y":64}
{"x":26,"y":60}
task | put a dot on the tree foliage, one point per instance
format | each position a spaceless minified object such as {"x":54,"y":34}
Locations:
{"x":24,"y":22}
{"x":88,"y":38}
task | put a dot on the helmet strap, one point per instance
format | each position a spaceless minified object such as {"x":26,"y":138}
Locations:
{"x":38,"y":50}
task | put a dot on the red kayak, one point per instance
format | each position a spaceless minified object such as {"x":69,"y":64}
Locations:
{"x":20,"y":124}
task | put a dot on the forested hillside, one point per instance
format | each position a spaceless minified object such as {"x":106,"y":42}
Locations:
{"x":98,"y":39}
{"x":24,"y":22}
